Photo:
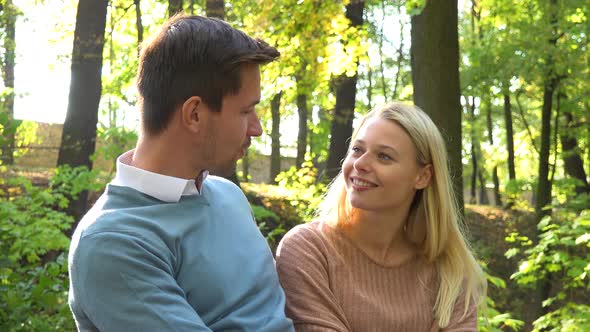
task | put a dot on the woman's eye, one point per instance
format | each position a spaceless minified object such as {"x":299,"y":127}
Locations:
{"x":355,"y":149}
{"x":383,"y":156}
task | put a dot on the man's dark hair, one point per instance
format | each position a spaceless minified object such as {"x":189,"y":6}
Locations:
{"x":193,"y":56}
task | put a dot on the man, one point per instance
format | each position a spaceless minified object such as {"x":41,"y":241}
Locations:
{"x":167,"y":247}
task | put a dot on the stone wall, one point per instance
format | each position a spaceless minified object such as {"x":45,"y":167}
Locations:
{"x":43,"y":154}
{"x":259,"y":166}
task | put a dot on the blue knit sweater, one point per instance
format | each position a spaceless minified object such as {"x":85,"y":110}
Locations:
{"x":201,"y":264}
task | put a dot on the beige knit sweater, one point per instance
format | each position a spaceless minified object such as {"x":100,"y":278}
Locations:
{"x":331,"y":285}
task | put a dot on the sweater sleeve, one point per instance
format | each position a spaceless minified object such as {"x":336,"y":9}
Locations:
{"x":302,"y":265}
{"x":126,"y":284}
{"x":460,"y":322}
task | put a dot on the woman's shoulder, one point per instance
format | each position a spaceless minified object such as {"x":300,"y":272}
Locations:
{"x":311,"y":231}
{"x":312,"y":237}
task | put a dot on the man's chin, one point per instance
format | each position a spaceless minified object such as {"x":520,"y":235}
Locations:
{"x":242,"y":153}
{"x":225,"y":170}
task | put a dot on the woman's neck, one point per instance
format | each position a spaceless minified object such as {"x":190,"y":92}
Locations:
{"x":380,"y":236}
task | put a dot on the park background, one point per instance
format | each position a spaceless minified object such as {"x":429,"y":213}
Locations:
{"x":507,"y":82}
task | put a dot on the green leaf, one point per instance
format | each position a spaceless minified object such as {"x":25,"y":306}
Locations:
{"x":512,"y":252}
{"x":583,"y":239}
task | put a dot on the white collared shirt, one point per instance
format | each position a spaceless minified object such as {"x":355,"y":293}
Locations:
{"x":163,"y":187}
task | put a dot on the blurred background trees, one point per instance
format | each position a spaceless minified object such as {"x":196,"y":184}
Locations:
{"x":506,"y":81}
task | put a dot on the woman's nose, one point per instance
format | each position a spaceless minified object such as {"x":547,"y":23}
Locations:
{"x":362,"y":163}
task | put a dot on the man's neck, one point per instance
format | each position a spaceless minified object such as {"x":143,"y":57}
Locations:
{"x":164,"y":155}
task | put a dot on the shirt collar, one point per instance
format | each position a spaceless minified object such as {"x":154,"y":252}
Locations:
{"x":163,"y":187}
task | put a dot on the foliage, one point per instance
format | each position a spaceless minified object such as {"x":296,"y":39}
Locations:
{"x":33,"y":270}
{"x":273,"y":211}
{"x":304,"y":192}
{"x":69,"y":182}
{"x":261,"y":213}
{"x":279,"y":208}
{"x":265,"y":219}
{"x":561,"y":261}
{"x":24,"y":133}
{"x":564,"y":194}
{"x":113,"y":141}
{"x":8,"y":125}
{"x":514,"y":191}
{"x":490,"y":319}
{"x":572,"y":317}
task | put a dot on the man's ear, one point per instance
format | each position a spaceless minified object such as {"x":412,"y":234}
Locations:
{"x":424,"y":177}
{"x":192,"y":113}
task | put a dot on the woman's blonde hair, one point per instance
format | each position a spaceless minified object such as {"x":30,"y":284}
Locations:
{"x":434,"y":225}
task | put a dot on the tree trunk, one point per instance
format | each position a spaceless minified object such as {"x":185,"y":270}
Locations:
{"x":138,"y":24}
{"x":544,"y":185}
{"x":555,"y":139}
{"x":483,"y":192}
{"x":215,"y":8}
{"x":509,"y":136}
{"x":79,"y":129}
{"x":550,"y":84}
{"x":302,"y":133}
{"x":370,"y":86}
{"x":246,"y":167}
{"x":381,"y":55}
{"x":473,"y":196}
{"x":400,"y":56}
{"x":436,"y":78}
{"x":345,"y":103}
{"x":572,"y":162}
{"x":319,"y":142}
{"x":525,"y":122}
{"x":275,"y":136}
{"x":495,"y":179}
{"x":542,"y":206}
{"x":174,"y":6}
{"x":9,"y":15}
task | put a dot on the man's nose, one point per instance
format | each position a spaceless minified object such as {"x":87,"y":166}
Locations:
{"x":254,"y":126}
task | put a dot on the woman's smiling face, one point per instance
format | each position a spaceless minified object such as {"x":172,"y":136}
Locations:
{"x":381,"y":170}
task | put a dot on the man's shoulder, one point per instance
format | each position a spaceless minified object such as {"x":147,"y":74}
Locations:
{"x":220,"y":182}
{"x":116,"y":212}
{"x":217,"y":186}
{"x":105,"y":232}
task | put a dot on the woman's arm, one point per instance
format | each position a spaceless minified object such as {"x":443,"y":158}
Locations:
{"x":302,"y":264}
{"x":462,"y":321}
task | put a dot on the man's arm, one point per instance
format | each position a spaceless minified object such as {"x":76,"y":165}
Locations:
{"x":123,"y":283}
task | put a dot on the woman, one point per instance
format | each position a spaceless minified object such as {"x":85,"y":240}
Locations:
{"x":386,"y":252}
